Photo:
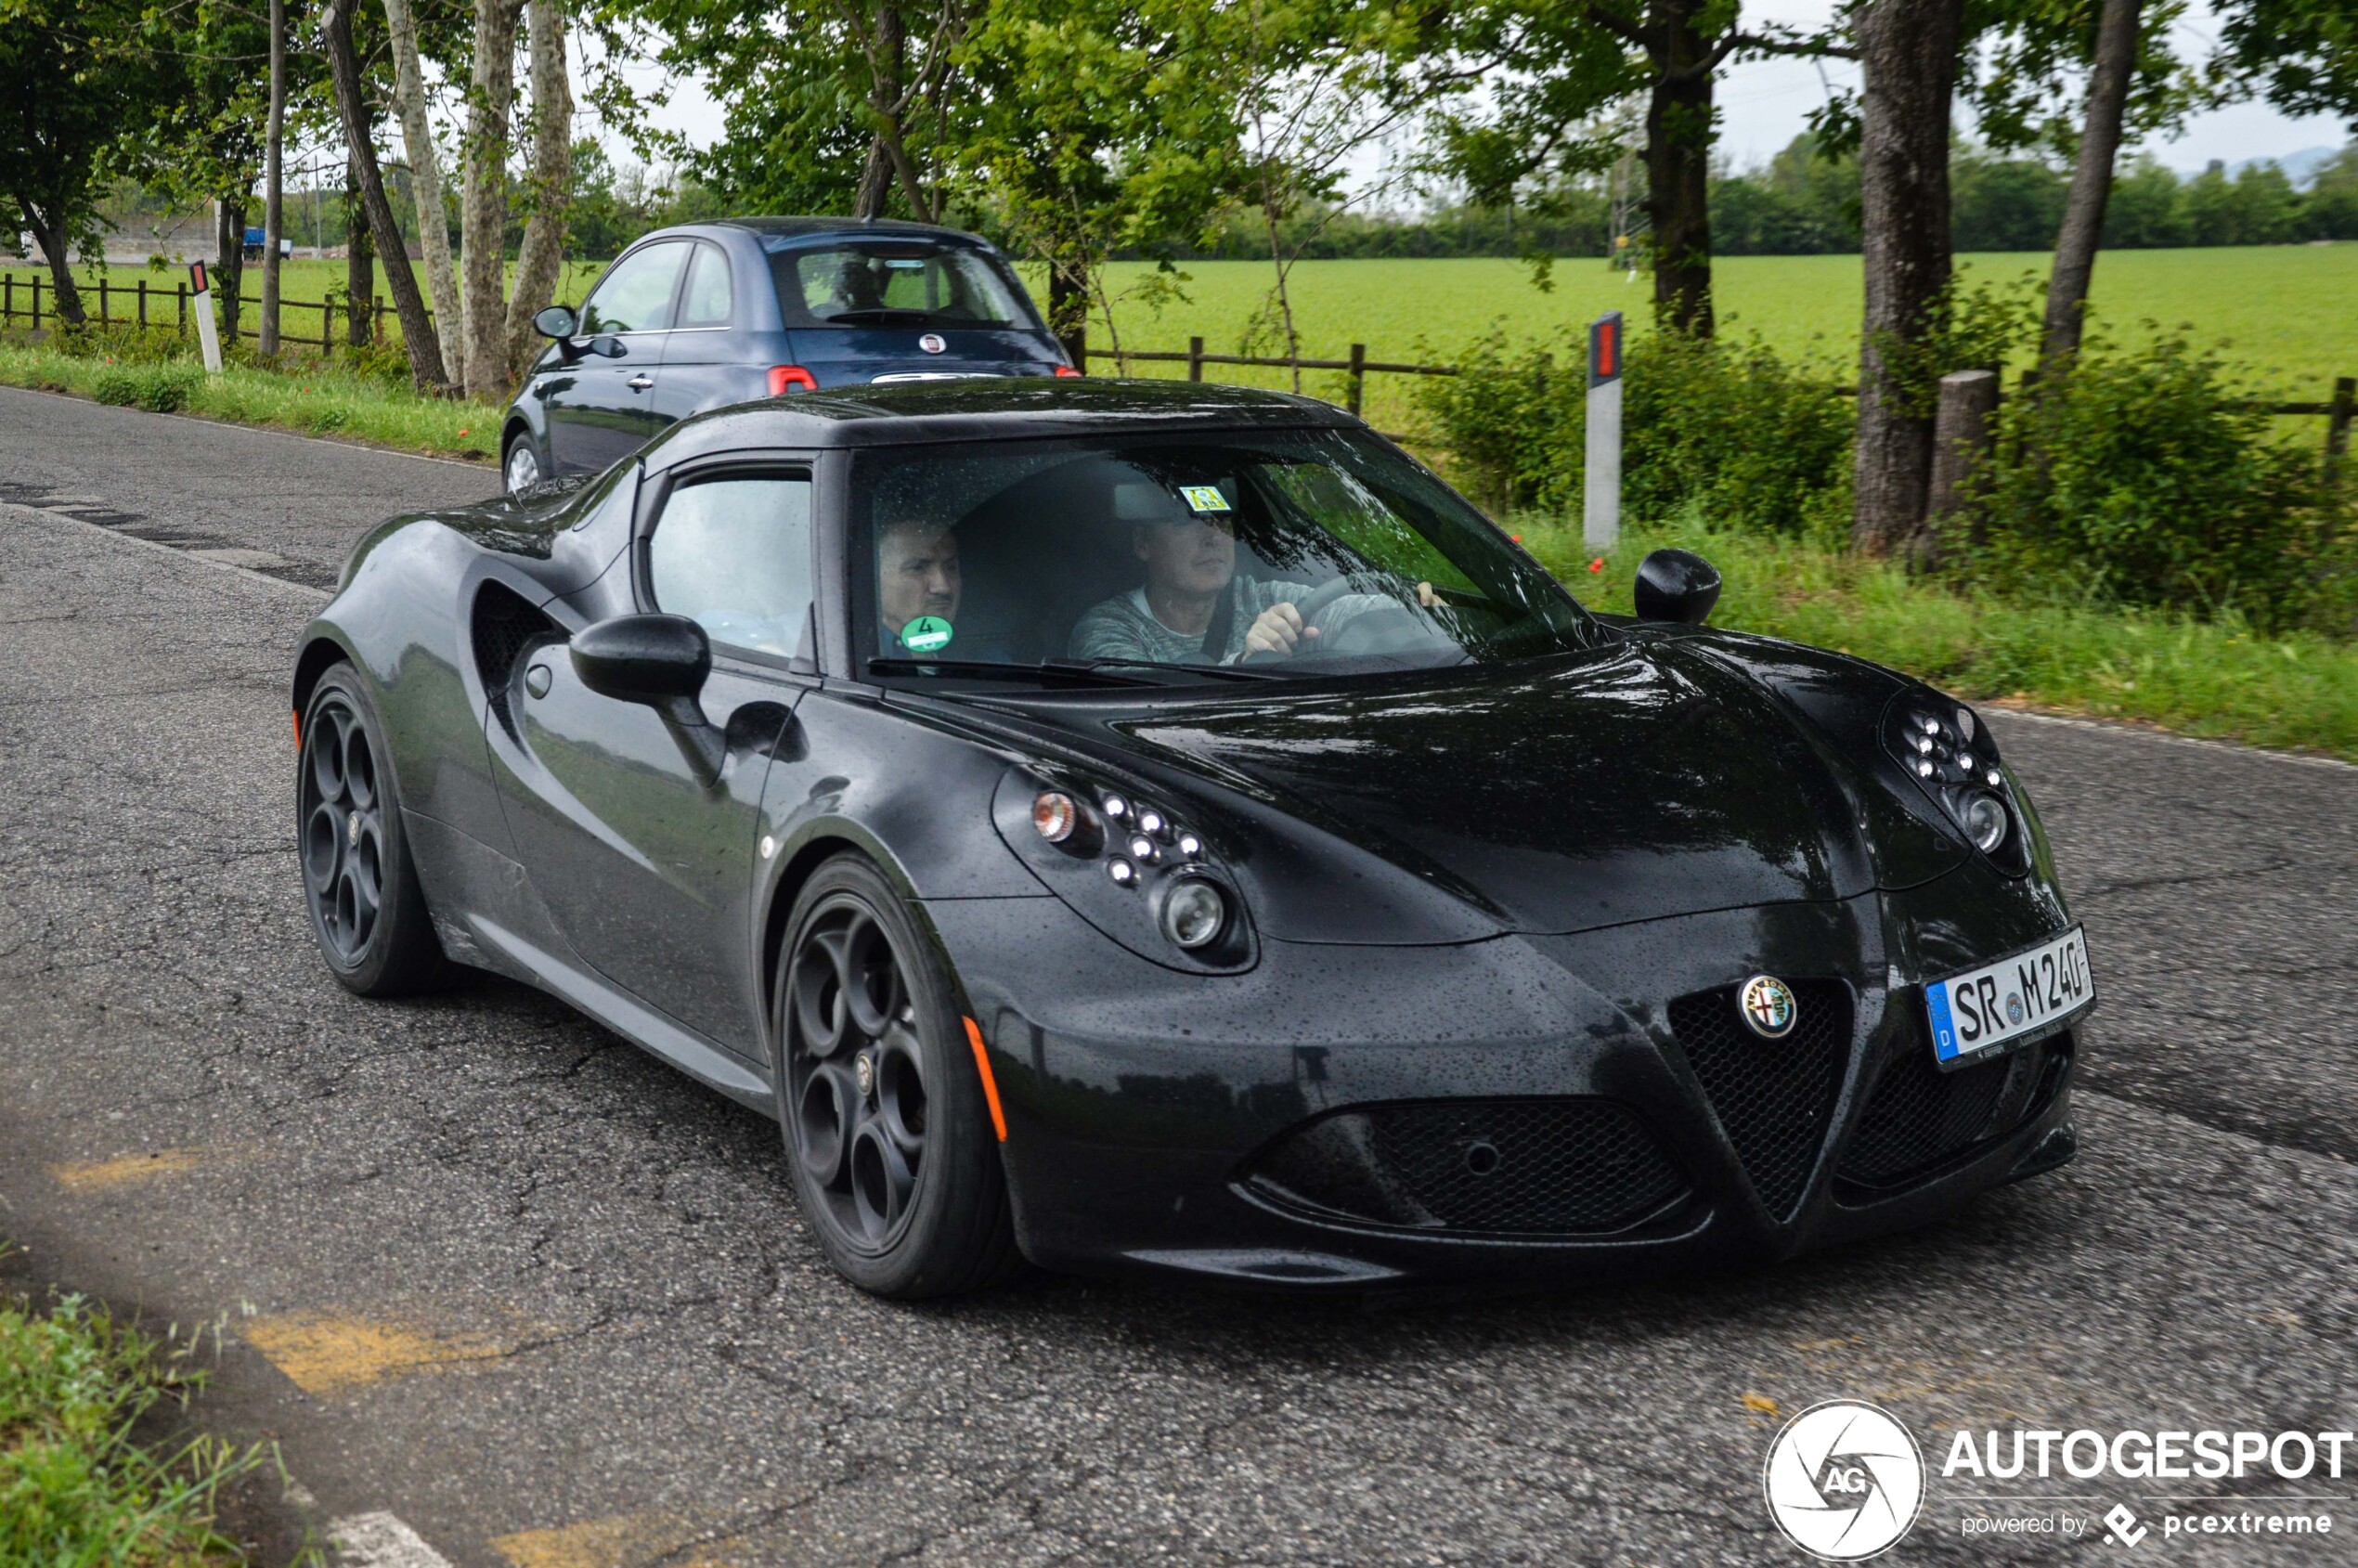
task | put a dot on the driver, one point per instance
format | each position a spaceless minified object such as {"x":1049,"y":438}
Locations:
{"x":1190,"y":559}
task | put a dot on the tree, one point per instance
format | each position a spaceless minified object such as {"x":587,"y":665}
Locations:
{"x":1549,"y":67}
{"x":77,"y":77}
{"x":425,"y":185}
{"x":498,"y":325}
{"x":417,"y":331}
{"x":1907,"y":50}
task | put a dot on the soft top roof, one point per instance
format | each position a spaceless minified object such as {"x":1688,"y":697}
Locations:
{"x":986,"y":408}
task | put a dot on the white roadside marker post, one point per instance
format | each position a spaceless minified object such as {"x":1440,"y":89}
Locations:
{"x":200,"y":300}
{"x":1601,"y":487}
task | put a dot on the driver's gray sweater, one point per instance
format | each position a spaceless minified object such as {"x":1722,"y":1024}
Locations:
{"x":1123,"y":628}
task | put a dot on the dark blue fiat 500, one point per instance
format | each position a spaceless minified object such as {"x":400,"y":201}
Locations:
{"x":705,"y":314}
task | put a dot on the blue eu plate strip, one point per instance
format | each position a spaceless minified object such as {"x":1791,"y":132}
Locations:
{"x":1943,"y":1029}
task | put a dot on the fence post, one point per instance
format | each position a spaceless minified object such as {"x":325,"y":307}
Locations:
{"x":1358,"y":374}
{"x":377,"y":311}
{"x":36,"y":303}
{"x":143,"y":305}
{"x":180,"y":291}
{"x":1195,"y":359}
{"x":327,"y":329}
{"x":8,"y":299}
{"x":2338,"y":423}
{"x":102,"y":294}
{"x":1962,"y":428}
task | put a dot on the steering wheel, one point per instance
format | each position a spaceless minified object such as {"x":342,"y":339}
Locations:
{"x":1310,"y":607}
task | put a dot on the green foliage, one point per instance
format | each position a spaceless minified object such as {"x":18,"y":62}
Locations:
{"x":75,"y":1490}
{"x":1750,"y":438}
{"x":1972,"y":324}
{"x":159,"y":388}
{"x":2137,"y":479}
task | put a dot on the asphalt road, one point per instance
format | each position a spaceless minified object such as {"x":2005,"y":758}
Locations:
{"x":484,"y":1270}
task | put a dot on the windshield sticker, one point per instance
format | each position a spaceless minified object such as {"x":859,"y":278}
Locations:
{"x":925,"y":634}
{"x":1204,"y":498}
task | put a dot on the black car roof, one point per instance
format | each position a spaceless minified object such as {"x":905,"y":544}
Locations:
{"x":986,"y":408}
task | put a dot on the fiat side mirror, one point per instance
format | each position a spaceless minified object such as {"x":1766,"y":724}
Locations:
{"x":1677,"y":584}
{"x":557,"y":322}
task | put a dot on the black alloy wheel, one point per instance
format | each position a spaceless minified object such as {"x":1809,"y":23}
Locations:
{"x":894,"y":1156}
{"x":367,"y":909}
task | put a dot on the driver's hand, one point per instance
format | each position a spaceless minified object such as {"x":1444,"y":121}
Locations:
{"x":1427,"y":597}
{"x":1278,"y":629}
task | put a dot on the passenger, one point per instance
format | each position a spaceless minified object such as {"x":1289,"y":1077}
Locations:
{"x":917,"y":577}
{"x":1174,"y":616}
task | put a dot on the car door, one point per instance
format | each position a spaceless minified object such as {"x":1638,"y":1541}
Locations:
{"x":639,"y":833}
{"x":704,"y":362}
{"x":601,"y":405}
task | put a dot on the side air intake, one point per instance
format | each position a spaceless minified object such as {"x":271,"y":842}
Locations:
{"x":505,"y":626}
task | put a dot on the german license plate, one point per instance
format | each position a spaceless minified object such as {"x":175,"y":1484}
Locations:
{"x":1977,"y":1014}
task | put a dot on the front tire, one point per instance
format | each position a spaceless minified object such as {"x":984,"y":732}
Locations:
{"x":519,"y":464}
{"x":368,"y":912}
{"x":888,"y":1133}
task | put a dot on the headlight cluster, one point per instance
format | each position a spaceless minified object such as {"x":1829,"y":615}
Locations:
{"x":1143,"y":850}
{"x":1946,"y":751}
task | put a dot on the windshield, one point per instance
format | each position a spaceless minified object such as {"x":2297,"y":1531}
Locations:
{"x":1278,"y":555}
{"x":871,"y":285}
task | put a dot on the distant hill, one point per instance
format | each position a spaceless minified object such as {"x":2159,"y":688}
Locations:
{"x":2299,"y":167}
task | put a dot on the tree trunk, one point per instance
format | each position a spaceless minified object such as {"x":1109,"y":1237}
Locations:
{"x":483,"y":202}
{"x":229,"y":268}
{"x":1907,"y":56}
{"x":361,"y":260}
{"x":53,"y":246}
{"x":1068,"y":307}
{"x":274,"y":139}
{"x":417,"y":330}
{"x":1678,"y":139}
{"x":2083,"y":219}
{"x":541,"y":254}
{"x":425,"y":187}
{"x":876,"y":180}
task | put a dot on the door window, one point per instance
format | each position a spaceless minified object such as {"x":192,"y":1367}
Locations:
{"x":710,"y":291}
{"x":734,"y":555}
{"x":635,"y":295}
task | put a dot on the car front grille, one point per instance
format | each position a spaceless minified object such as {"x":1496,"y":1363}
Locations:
{"x":1519,"y":1167}
{"x":1919,"y":1117}
{"x":1773,"y":1098}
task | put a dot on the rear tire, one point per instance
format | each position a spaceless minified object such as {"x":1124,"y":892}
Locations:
{"x":888,"y":1136}
{"x":368,"y":912}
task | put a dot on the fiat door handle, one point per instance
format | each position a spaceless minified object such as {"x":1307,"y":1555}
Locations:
{"x":641,"y":382}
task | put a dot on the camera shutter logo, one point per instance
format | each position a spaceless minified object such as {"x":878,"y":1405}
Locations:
{"x":1844,"y":1480}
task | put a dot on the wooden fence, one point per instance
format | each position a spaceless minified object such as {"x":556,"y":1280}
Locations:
{"x":154,"y":306}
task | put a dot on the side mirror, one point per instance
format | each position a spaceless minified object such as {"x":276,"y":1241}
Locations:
{"x":658,"y":660}
{"x":1677,"y":584}
{"x":557,"y":322}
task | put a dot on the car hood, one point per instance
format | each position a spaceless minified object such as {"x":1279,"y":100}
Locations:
{"x":1645,"y":780}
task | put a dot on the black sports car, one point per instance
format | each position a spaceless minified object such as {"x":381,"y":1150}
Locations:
{"x":1154,"y":825}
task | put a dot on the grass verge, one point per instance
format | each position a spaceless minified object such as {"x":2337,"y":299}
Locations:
{"x":2216,"y":679}
{"x":311,"y":398}
{"x":78,"y":1489}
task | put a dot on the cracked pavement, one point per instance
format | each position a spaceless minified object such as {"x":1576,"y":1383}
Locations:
{"x":634,"y":1325}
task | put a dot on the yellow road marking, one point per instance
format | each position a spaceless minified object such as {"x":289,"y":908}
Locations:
{"x":619,"y":1542}
{"x":325,"y":1353}
{"x":94,"y":1175}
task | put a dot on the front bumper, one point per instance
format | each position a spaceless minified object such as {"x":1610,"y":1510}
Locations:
{"x":1157,"y":1120}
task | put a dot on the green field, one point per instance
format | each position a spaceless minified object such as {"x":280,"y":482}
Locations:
{"x":2287,"y":314}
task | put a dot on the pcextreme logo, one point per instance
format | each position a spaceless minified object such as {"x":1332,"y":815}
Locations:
{"x":1844,"y":1480}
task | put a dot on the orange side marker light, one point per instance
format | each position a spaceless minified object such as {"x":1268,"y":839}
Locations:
{"x":297,"y":716}
{"x":989,"y":1084}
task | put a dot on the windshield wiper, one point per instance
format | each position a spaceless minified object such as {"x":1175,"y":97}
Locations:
{"x":1004,"y":669}
{"x":1218,"y":672}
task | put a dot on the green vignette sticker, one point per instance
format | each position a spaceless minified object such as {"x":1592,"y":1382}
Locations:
{"x":925,"y":634}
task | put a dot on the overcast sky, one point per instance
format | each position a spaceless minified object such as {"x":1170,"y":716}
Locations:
{"x":1765,"y":103}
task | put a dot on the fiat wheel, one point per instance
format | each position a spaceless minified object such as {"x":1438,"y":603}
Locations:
{"x":521,"y":466}
{"x":366,"y":910}
{"x":890,"y":1139}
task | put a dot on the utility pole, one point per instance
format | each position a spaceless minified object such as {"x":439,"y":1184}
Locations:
{"x":274,"y":158}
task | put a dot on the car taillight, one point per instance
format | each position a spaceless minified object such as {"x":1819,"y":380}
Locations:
{"x":791,"y":378}
{"x":1066,"y":370}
